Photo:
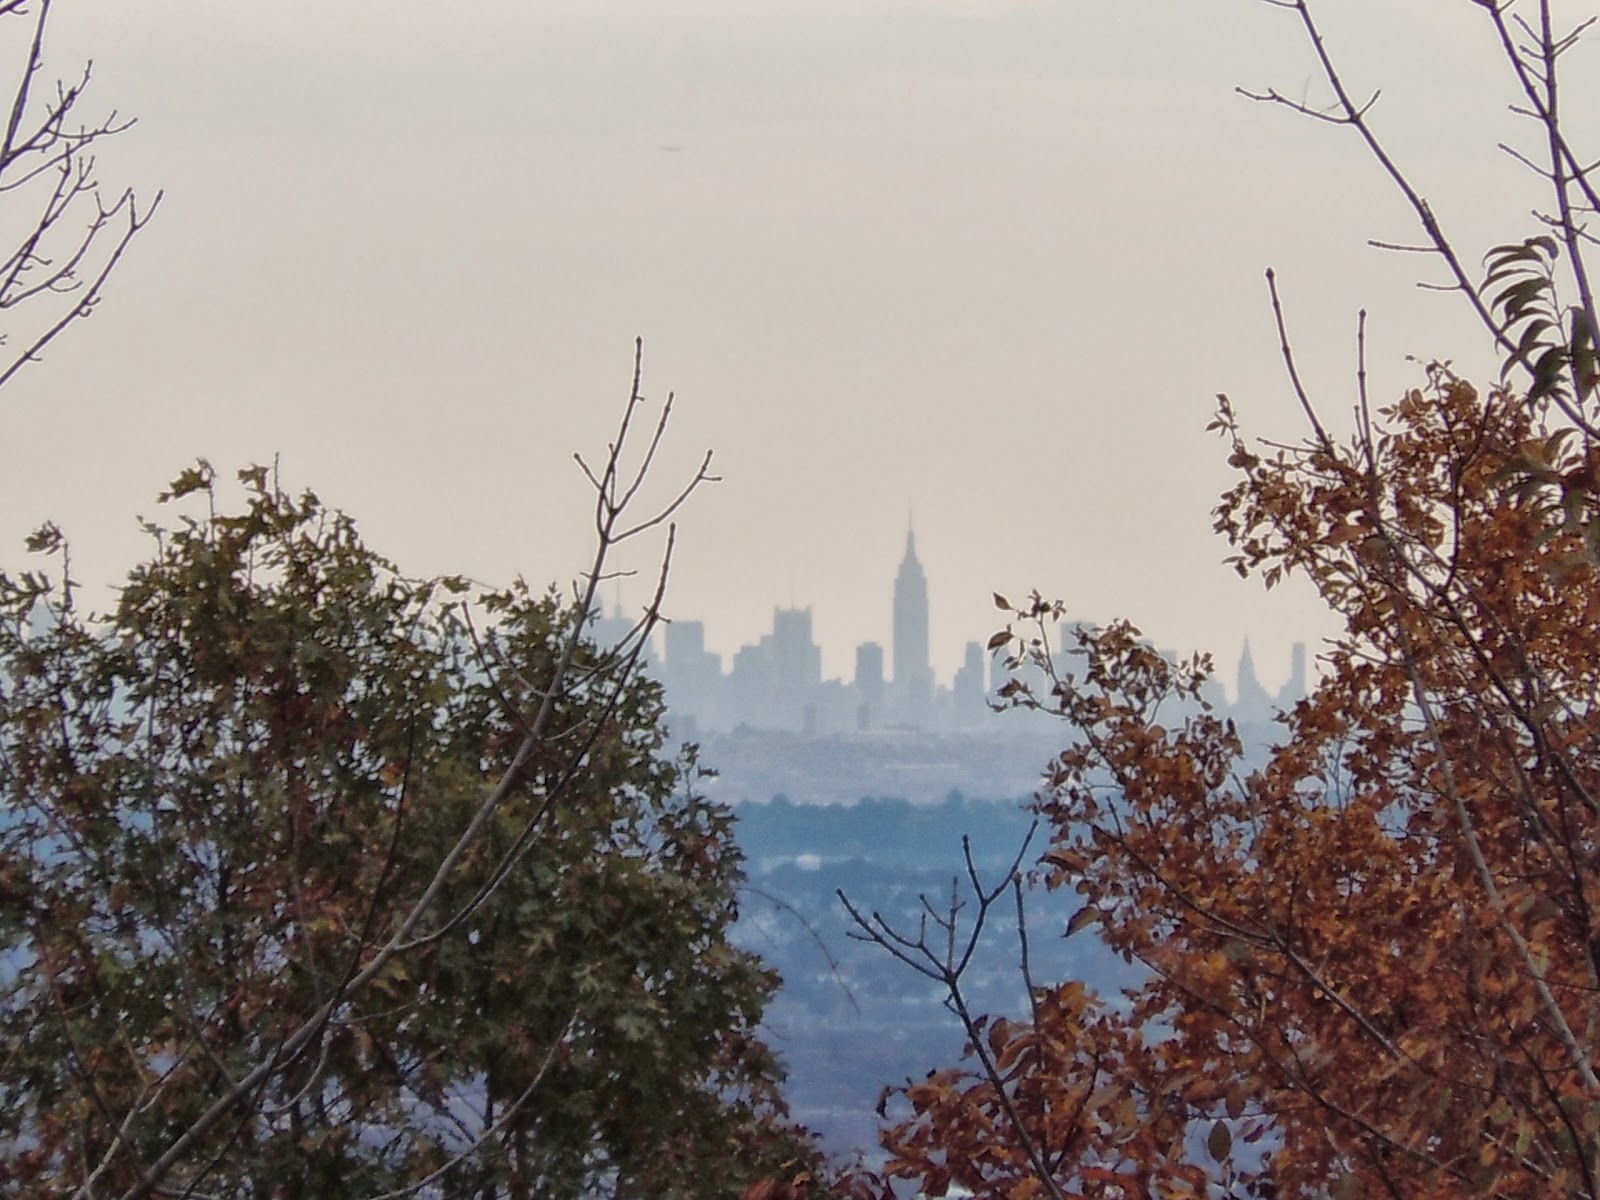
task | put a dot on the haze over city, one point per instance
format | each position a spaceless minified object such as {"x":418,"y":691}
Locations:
{"x":979,"y":266}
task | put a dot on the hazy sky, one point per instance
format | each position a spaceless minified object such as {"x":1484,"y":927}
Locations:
{"x":981,"y":264}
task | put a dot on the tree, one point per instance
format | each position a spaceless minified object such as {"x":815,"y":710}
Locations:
{"x":70,"y":233}
{"x":319,"y":880}
{"x":1374,"y":960}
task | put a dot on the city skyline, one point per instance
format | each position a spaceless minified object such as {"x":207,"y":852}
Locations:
{"x":1276,"y":671}
{"x":778,"y":683}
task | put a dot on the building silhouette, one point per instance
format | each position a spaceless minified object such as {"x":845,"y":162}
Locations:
{"x":1295,"y":688}
{"x":620,"y":633}
{"x":797,"y":659}
{"x":869,"y":685}
{"x":691,"y":670}
{"x":913,"y":670}
{"x":1251,"y":700}
{"x":967,"y":692}
{"x":776,"y":684}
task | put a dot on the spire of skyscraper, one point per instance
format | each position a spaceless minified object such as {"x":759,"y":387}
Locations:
{"x":1250,"y":700}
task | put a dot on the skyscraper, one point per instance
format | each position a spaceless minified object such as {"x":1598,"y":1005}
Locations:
{"x":796,"y":658}
{"x":869,"y":673}
{"x":693,"y":677}
{"x":971,"y":702}
{"x":1294,"y":690}
{"x":1251,"y":701}
{"x":913,"y":675}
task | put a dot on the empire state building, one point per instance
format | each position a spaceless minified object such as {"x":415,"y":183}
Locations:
{"x":913,"y":673}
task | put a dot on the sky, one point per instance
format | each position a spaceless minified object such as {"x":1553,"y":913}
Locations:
{"x":977,"y":267}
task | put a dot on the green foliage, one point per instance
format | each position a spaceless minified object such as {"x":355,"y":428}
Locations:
{"x":219,"y":802}
{"x":1556,"y":477}
{"x":1556,"y":348}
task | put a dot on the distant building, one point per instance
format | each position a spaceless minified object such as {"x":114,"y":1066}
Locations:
{"x":869,"y":684}
{"x":752,"y":687}
{"x":797,"y":659}
{"x":1251,"y":701}
{"x":692,"y":676}
{"x":618,"y":631}
{"x":913,"y":671}
{"x":999,"y":673}
{"x":774,"y":683}
{"x":967,"y":690}
{"x":1295,"y":689}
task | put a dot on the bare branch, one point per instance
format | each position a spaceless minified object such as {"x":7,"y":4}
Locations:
{"x":1288,"y":361}
{"x":40,"y":139}
{"x":1346,"y":111}
{"x":949,"y":967}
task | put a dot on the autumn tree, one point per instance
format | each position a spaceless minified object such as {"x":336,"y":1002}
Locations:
{"x":1374,"y":959}
{"x":320,"y":880}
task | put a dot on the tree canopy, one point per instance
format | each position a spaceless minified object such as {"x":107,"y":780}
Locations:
{"x":1373,"y":960}
{"x":1374,"y":956}
{"x":223,"y":800}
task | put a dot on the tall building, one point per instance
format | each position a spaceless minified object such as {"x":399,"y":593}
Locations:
{"x":967,"y":690}
{"x":869,"y":673}
{"x":796,"y":658}
{"x":913,"y":673}
{"x":774,"y":681}
{"x":1295,"y":689}
{"x":619,"y":632}
{"x":1251,"y":701}
{"x":692,"y":675}
{"x":868,"y":685}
